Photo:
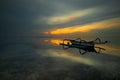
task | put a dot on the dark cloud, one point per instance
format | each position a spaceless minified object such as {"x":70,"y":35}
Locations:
{"x":20,"y":16}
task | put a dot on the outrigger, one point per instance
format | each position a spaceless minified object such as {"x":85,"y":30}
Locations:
{"x":83,"y":45}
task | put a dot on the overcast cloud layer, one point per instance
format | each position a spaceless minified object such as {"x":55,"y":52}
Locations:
{"x":26,"y":17}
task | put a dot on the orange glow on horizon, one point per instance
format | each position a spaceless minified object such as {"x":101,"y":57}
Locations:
{"x":55,"y":41}
{"x":88,"y":27}
{"x":46,"y":32}
{"x":46,"y":40}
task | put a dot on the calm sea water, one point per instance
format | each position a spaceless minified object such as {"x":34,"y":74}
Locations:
{"x":36,"y":58}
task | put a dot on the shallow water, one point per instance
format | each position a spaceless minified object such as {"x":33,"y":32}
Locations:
{"x":36,"y":58}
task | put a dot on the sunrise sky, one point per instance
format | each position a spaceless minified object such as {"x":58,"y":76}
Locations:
{"x":36,"y":17}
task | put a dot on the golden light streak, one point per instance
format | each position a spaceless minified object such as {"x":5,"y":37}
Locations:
{"x":110,"y":50}
{"x":55,"y":41}
{"x":46,"y":40}
{"x":46,"y":32}
{"x":70,"y":17}
{"x":88,"y":27}
{"x":70,"y":56}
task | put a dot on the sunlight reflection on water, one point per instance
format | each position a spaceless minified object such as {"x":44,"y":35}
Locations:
{"x":108,"y":48}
